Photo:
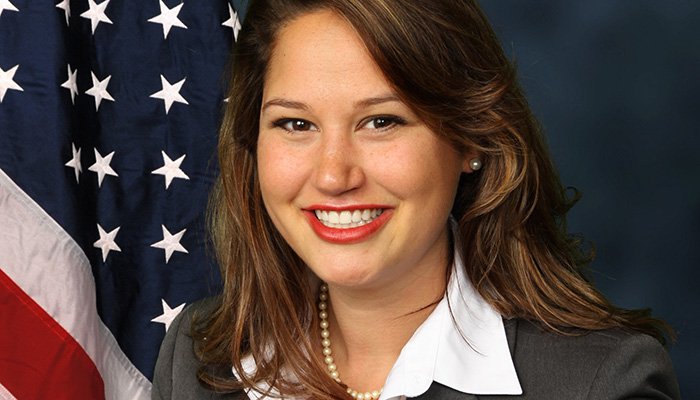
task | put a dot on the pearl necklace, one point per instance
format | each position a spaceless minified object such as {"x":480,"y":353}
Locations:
{"x":326,"y":343}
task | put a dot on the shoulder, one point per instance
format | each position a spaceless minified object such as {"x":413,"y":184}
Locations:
{"x":175,"y":376}
{"x":606,"y":364}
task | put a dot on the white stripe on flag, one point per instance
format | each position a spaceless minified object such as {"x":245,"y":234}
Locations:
{"x":5,"y":394}
{"x":36,"y":253}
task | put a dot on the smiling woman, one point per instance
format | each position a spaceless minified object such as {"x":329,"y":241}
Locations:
{"x":334,"y":138}
{"x":389,"y":225}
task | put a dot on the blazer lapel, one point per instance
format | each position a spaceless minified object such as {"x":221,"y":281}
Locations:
{"x":511,"y":326}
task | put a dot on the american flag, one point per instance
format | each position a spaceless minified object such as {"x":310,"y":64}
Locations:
{"x":108,"y":121}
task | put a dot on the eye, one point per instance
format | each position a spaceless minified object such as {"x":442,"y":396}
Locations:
{"x":294,"y":125}
{"x":383,"y":122}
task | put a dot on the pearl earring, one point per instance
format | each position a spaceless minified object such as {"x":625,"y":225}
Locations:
{"x":475,"y":164}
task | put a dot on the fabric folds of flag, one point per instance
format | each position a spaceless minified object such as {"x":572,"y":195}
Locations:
{"x":108,"y":121}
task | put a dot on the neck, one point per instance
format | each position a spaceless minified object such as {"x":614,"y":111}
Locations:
{"x":370,"y":327}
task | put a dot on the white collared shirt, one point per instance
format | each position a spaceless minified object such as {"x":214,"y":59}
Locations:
{"x":469,"y":353}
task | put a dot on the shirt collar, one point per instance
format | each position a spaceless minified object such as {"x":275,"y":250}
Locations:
{"x":462,"y":345}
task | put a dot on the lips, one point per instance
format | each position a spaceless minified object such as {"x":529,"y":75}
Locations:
{"x":349,"y":225}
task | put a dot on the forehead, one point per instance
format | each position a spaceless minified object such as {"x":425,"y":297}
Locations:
{"x":321,"y":53}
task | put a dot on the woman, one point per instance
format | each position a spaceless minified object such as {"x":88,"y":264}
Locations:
{"x":389,"y":224}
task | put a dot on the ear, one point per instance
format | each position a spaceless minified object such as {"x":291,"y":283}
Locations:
{"x":471,"y":162}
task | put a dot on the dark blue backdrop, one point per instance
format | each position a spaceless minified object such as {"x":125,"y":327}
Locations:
{"x":615,"y":85}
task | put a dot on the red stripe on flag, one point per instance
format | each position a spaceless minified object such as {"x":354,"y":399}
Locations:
{"x":38,"y":358}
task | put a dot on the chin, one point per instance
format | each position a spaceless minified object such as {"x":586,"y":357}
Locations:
{"x":351,"y":276}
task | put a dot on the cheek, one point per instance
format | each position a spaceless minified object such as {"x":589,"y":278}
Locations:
{"x":419,"y":168}
{"x":279,"y":171}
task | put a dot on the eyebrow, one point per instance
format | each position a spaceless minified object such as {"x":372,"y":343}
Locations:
{"x":372,"y":101}
{"x":297,"y":105}
{"x":286,"y":104}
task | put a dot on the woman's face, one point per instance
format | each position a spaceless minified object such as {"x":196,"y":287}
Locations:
{"x":357,"y":185}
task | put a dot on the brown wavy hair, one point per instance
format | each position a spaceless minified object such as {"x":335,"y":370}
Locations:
{"x":444,"y":61}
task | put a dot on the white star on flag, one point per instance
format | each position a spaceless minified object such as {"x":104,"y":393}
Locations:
{"x":171,"y":169}
{"x":75,"y":163}
{"x":96,"y":13}
{"x":170,"y":243}
{"x":101,"y":166}
{"x":99,"y":90}
{"x":6,"y":5}
{"x":7,"y":80}
{"x":168,"y":315}
{"x":170,"y":93}
{"x":106,"y":241}
{"x":168,"y":18}
{"x":72,"y":83}
{"x":65,"y":6}
{"x":233,"y":22}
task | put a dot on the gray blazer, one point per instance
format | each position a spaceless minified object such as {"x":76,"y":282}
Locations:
{"x":600,"y":365}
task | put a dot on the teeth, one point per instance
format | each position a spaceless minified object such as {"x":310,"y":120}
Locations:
{"x":347,"y":219}
{"x":366,"y":215}
{"x":333,"y":217}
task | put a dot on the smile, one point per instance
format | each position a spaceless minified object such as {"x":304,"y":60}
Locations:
{"x":349,"y":225}
{"x":347,"y":219}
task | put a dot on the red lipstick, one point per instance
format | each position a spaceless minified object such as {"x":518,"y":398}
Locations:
{"x":347,"y":235}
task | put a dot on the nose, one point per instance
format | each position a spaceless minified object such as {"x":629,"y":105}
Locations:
{"x":338,"y":169}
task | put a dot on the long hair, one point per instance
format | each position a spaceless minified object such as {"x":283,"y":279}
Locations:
{"x":445,"y":62}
